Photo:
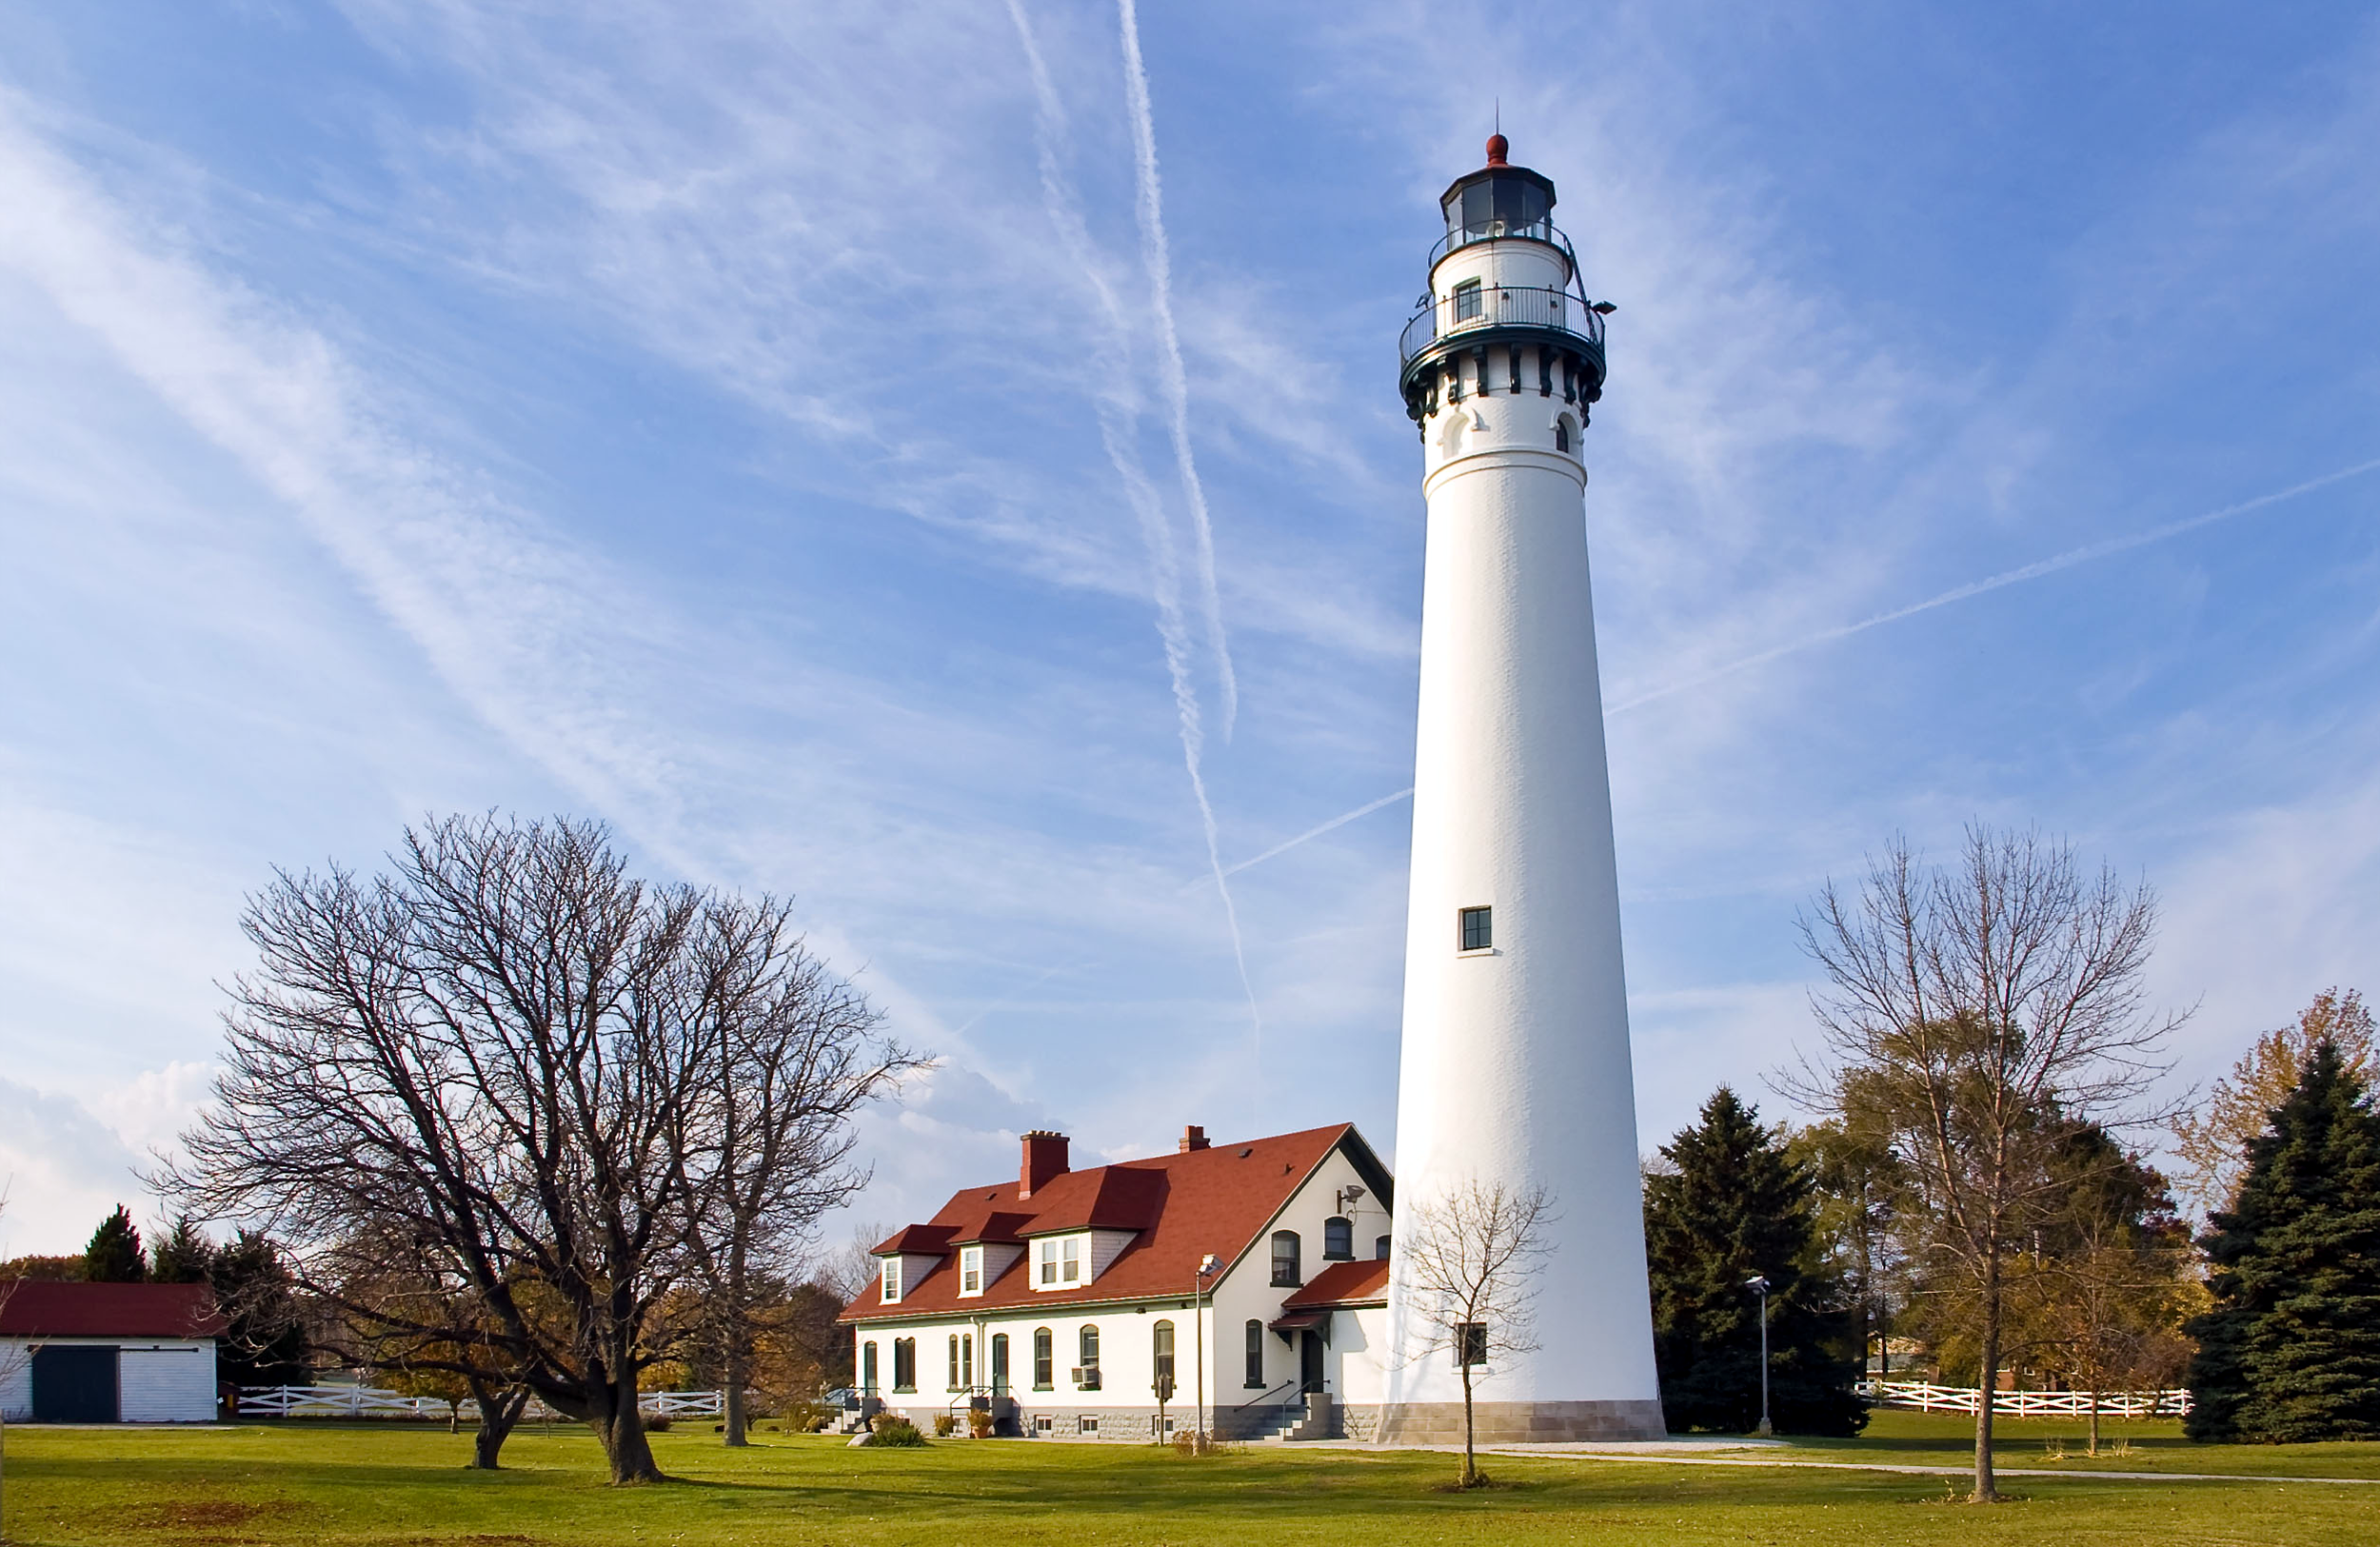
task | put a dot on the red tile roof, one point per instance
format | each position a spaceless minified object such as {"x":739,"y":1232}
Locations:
{"x":1182,"y":1206}
{"x":1344,"y":1283}
{"x":32,"y":1309}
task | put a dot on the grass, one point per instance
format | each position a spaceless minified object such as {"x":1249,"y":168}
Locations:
{"x":2125,"y":1445}
{"x":387,"y":1485}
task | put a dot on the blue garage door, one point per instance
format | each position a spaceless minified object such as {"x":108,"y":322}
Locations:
{"x":74,"y":1383}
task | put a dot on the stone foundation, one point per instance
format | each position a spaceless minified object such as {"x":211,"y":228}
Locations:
{"x":1515,"y":1423}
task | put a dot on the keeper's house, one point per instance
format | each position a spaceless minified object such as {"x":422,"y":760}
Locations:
{"x":1061,"y":1303}
{"x":74,"y":1352}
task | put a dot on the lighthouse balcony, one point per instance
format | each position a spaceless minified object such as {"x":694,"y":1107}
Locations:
{"x":1507,"y":228}
{"x":1562,"y":332}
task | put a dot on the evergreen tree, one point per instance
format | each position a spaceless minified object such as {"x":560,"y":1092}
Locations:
{"x":1735,"y":1206}
{"x":113,"y":1256}
{"x":265,"y":1344}
{"x":183,"y":1257}
{"x":2292,"y":1349}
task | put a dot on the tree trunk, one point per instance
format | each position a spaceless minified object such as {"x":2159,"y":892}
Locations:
{"x":1470,"y":1458}
{"x":499,"y":1410}
{"x":620,"y":1429}
{"x":2094,"y":1418}
{"x":455,"y":1417}
{"x":1986,"y":1490}
{"x":731,"y":1405}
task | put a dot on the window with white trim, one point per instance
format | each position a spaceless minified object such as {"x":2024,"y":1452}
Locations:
{"x":1045,"y":1258}
{"x":892,"y":1280}
{"x":1070,"y":1259}
{"x":1087,"y":1425}
{"x":1478,"y":929}
{"x":1471,"y":1344}
{"x":970,"y":1270}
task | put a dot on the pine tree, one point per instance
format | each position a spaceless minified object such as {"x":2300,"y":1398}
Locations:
{"x":183,"y":1257}
{"x":113,"y":1256}
{"x":1737,"y":1206}
{"x":2292,"y":1350}
{"x":265,"y":1344}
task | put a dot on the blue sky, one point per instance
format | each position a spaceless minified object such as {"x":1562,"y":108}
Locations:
{"x":855,"y":452}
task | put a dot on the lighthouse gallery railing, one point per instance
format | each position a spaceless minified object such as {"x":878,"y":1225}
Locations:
{"x":1499,"y":305}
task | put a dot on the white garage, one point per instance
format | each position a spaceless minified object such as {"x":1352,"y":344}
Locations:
{"x":76,"y":1353}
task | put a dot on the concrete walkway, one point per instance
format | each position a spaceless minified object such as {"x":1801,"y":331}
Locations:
{"x":1667,"y":1453}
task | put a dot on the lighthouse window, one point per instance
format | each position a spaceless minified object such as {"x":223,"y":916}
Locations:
{"x":1478,"y":932}
{"x":1470,"y":1343}
{"x":1470,"y":302}
{"x":1561,"y":433}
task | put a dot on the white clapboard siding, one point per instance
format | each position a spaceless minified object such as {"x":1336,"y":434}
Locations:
{"x":16,"y":1381}
{"x":166,"y":1382}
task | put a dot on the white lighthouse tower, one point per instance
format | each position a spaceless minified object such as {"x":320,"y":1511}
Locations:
{"x":1516,"y":1067}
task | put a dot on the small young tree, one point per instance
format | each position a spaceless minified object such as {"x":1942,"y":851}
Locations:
{"x":2291,"y":1350}
{"x":1471,"y":1263}
{"x":184,"y":1257}
{"x":2211,"y":1139}
{"x":1967,"y":1009}
{"x":1732,"y":1205}
{"x":114,"y":1254}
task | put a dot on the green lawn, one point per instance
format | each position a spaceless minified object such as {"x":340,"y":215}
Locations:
{"x":2137,"y":1445}
{"x":324,"y":1486}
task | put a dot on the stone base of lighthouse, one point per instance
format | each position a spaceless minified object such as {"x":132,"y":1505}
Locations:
{"x":1519,"y":1423}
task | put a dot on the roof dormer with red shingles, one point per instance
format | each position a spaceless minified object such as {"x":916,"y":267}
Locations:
{"x":1219,"y":1198}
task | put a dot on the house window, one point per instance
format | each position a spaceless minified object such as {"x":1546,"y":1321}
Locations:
{"x":970,"y":1270}
{"x":892,"y":1280}
{"x":1479,"y":931}
{"x":1070,"y":1259}
{"x":1161,"y":1346}
{"x":1045,"y":1253}
{"x":1087,"y":1425}
{"x":1000,"y":1364}
{"x":1043,"y":1359}
{"x":867,"y":1369}
{"x":1470,"y":301}
{"x":1256,"y":1353}
{"x":1338,"y":1239}
{"x":1470,"y":1343}
{"x":1044,"y":1424}
{"x":1286,"y":1274}
{"x":1087,"y":1345}
{"x":1380,"y":1248}
{"x":953,"y":1361}
{"x":904,"y":1364}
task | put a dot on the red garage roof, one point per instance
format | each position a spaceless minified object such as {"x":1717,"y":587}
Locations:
{"x":1180,"y":1207}
{"x":33,"y":1309}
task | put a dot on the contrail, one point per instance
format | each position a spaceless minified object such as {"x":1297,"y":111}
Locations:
{"x":1065,"y":213}
{"x":1340,"y":821}
{"x":2032,"y":571}
{"x":1157,"y":256}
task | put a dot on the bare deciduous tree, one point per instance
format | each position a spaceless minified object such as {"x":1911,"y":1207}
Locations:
{"x":1471,"y":1263}
{"x":498,"y":1055}
{"x":1974,"y":1012}
{"x":797,"y":1065}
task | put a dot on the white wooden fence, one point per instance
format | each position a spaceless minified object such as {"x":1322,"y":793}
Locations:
{"x":1928,"y":1397}
{"x":372,"y":1402}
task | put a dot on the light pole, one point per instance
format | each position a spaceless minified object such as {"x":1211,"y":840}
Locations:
{"x":1198,"y":1316}
{"x":1758,"y":1284}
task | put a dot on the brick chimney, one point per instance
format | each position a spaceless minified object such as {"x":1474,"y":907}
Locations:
{"x":1045,"y":1160}
{"x":1193,"y":1137}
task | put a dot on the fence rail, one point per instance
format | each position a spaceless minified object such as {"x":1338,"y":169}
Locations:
{"x":1927,"y":1398}
{"x":374,"y":1402}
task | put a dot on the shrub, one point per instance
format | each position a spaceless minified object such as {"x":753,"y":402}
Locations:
{"x":895,"y":1431}
{"x":945,"y":1425}
{"x":658,"y":1423}
{"x":978,"y":1423}
{"x":807,"y":1417}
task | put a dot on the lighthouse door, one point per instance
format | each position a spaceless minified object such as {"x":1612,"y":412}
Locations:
{"x":1310,"y":1361}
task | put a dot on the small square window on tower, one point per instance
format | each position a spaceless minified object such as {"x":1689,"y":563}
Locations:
{"x":1478,"y":929}
{"x":1470,"y":1343}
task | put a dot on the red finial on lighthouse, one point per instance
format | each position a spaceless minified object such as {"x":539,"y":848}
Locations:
{"x":1498,"y":145}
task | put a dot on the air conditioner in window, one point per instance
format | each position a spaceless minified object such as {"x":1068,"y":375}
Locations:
{"x":1086,"y":1377}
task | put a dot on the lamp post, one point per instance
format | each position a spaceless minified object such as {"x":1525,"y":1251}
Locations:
{"x":1758,"y":1284}
{"x":1198,"y":1301}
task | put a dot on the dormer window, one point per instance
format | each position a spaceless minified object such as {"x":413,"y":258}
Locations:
{"x":970,"y":1270}
{"x":1058,"y":1262}
{"x":892,"y":1280}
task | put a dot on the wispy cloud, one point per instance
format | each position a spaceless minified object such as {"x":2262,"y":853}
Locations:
{"x":1114,"y":409}
{"x":1156,"y":256}
{"x":2050,"y":566}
